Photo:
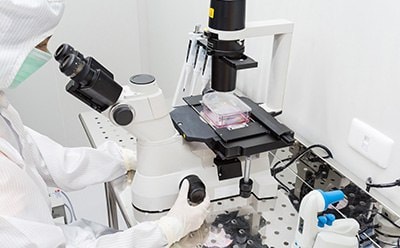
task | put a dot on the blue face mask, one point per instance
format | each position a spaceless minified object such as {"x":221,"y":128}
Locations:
{"x":33,"y":62}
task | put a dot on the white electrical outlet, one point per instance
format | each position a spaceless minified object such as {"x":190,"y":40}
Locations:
{"x":371,"y":143}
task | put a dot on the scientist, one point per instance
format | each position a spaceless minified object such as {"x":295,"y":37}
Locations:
{"x":30,"y":162}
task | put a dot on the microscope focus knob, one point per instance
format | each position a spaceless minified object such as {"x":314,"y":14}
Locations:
{"x":123,"y":115}
{"x":197,"y":189}
{"x":245,"y":188}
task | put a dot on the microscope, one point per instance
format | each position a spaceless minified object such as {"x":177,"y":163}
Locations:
{"x":217,"y":139}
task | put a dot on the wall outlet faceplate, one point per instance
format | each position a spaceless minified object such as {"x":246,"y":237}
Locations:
{"x":371,"y":143}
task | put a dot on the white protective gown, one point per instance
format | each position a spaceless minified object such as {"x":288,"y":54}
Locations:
{"x":29,"y":163}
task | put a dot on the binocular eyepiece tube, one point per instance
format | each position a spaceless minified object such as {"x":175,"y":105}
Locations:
{"x":90,"y":81}
{"x":74,"y":64}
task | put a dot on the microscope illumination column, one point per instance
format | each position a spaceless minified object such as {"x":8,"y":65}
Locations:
{"x":225,"y":16}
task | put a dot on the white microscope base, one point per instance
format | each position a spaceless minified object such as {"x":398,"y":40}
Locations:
{"x":153,"y":196}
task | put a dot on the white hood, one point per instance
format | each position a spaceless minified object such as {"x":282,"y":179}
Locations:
{"x":23,"y":25}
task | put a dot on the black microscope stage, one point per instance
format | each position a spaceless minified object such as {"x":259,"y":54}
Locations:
{"x":263,"y":132}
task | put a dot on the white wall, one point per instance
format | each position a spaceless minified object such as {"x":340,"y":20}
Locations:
{"x":167,"y":24}
{"x":110,"y":33}
{"x":345,"y":63}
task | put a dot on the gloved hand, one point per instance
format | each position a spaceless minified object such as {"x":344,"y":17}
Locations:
{"x":183,"y":218}
{"x":130,"y":159}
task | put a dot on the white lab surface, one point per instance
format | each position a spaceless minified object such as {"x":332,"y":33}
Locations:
{"x":30,"y":162}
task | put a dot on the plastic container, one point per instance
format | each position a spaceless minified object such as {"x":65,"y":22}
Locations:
{"x":223,"y":109}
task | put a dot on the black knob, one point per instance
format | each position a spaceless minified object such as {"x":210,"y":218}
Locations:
{"x":241,"y":236}
{"x":197,"y":189}
{"x":123,"y":115}
{"x":245,"y":188}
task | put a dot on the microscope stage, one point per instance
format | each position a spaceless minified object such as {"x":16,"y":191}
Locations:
{"x":263,"y":132}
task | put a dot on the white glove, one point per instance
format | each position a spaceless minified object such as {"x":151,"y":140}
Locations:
{"x":183,"y":218}
{"x":130,"y":159}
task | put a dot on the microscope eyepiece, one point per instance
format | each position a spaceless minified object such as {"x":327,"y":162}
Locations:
{"x":64,"y":50}
{"x":72,"y":65}
{"x":90,"y":81}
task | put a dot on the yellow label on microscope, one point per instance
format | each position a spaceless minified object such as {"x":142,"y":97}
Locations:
{"x":211,"y":13}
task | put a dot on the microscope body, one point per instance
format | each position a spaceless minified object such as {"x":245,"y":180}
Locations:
{"x":164,"y":158}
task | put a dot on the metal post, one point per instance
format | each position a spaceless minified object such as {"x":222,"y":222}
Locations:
{"x":247,"y":166}
{"x":111,"y":206}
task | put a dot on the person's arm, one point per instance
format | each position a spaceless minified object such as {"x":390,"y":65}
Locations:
{"x":25,"y":220}
{"x":143,"y":235}
{"x":25,"y":215}
{"x":76,"y":168}
{"x":21,"y":233}
{"x":181,"y":219}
